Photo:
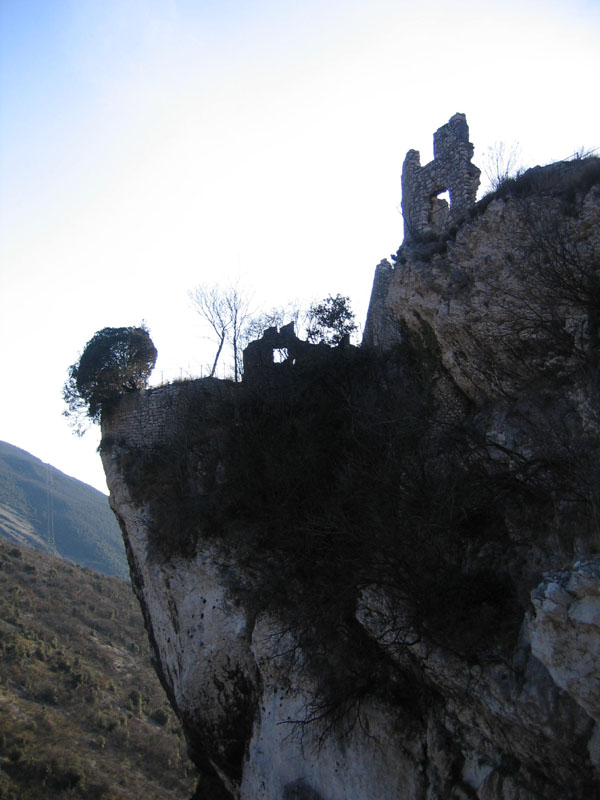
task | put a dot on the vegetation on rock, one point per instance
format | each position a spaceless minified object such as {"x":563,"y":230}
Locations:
{"x":374,"y":472}
{"x":113,"y":362}
{"x":386,"y":513}
{"x":343,"y":475}
{"x":330,"y":320}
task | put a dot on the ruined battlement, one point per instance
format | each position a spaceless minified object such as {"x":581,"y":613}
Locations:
{"x":451,"y":170}
{"x":260,"y":354}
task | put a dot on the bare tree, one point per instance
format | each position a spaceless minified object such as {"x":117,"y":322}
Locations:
{"x":238,"y":311}
{"x":501,"y":162}
{"x":275,"y":318}
{"x":226,"y":310}
{"x":209,"y":303}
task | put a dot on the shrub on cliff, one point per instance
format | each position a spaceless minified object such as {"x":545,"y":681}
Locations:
{"x":348,"y":473}
{"x":330,"y":320}
{"x":362,"y":476}
{"x":114,"y":361}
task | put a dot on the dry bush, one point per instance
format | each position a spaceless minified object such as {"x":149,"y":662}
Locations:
{"x":67,"y":681}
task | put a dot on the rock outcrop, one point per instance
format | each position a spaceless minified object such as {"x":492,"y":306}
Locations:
{"x":383,"y":581}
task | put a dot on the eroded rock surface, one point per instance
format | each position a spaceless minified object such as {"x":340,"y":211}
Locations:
{"x":518,"y":727}
{"x":476,"y":677}
{"x":564,"y":629}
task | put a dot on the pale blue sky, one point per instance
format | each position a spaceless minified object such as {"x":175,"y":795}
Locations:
{"x":147,"y":146}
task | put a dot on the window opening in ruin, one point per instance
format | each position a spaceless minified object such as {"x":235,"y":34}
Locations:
{"x":439,"y":209}
{"x":280,"y":354}
{"x":445,"y":195}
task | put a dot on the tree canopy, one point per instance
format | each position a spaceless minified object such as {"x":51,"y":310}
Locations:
{"x":330,"y":320}
{"x":113,"y":362}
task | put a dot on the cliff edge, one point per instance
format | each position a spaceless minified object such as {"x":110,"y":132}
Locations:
{"x":376,"y":573}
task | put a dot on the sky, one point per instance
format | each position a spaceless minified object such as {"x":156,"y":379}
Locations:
{"x":150,"y":146}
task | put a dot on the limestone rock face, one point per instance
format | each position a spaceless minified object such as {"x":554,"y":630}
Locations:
{"x":510,"y":342}
{"x":502,"y":730}
{"x":223,"y":669}
{"x":564,"y":629}
{"x":506,"y":289}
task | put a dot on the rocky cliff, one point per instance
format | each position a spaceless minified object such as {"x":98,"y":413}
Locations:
{"x":376,"y":574}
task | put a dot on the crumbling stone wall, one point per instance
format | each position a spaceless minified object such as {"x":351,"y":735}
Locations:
{"x":258,"y":355}
{"x":152,"y":418}
{"x":451,"y":170}
{"x":379,"y":329}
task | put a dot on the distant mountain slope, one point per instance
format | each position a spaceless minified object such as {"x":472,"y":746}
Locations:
{"x":82,"y":713}
{"x":43,"y":508}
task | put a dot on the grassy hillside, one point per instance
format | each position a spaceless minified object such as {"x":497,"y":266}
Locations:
{"x":82,"y":714}
{"x":43,"y":508}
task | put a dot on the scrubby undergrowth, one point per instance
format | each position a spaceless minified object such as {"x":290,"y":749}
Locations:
{"x":367,"y":471}
{"x":82,"y":714}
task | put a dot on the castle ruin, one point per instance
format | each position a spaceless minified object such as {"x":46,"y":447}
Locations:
{"x":260,"y":354}
{"x":425,"y":211}
{"x":423,"y":208}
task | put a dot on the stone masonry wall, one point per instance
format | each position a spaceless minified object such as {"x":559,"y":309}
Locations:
{"x":451,"y":170}
{"x":377,"y":327}
{"x":155,"y":416}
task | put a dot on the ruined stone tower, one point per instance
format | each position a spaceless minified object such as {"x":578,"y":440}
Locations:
{"x":426,"y":212}
{"x":451,"y":171}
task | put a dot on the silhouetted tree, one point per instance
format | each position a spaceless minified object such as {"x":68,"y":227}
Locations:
{"x":330,"y":320}
{"x":226,"y":311}
{"x":113,"y":362}
{"x":275,"y":318}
